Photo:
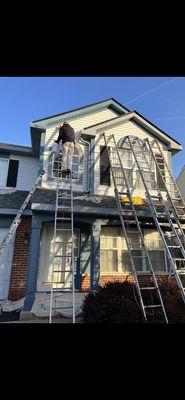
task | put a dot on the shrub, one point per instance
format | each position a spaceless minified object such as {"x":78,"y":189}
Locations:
{"x":113,"y":303}
{"x":118,"y":302}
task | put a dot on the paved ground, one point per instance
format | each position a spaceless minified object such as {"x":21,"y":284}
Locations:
{"x":13,"y":317}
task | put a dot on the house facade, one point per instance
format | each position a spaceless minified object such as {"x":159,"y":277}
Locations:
{"x":100,"y":248}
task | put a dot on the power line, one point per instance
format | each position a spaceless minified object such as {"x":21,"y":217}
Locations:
{"x":165,"y":119}
{"x":152,"y":90}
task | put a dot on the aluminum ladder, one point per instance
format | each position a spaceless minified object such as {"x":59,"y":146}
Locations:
{"x":160,"y":212}
{"x":153,"y":287}
{"x":63,"y":215}
{"x":17,"y":219}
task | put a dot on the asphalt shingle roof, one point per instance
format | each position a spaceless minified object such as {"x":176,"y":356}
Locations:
{"x":13,"y":200}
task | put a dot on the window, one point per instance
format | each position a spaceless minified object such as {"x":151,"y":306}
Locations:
{"x":114,"y":257}
{"x":149,"y":179}
{"x":104,"y":166}
{"x":127,"y":160}
{"x":156,"y":250}
{"x":8,"y":172}
{"x":77,"y":165}
{"x":161,"y":166}
{"x":145,"y":162}
{"x":113,"y":251}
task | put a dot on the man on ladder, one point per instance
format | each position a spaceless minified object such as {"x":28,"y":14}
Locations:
{"x":66,"y":142}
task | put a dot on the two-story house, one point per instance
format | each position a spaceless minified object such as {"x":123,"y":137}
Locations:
{"x":100,"y":248}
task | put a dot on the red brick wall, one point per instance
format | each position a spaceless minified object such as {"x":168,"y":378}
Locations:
{"x":85,"y":283}
{"x":112,"y":278}
{"x":20,"y":261}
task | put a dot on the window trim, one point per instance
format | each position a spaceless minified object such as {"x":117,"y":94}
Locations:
{"x":52,"y":165}
{"x":8,"y":160}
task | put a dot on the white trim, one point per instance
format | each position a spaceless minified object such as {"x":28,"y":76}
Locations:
{"x":8,"y":160}
{"x":155,"y":131}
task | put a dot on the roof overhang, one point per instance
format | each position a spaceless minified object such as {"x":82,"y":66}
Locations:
{"x":150,"y":128}
{"x":7,"y":149}
{"x":80,"y":112}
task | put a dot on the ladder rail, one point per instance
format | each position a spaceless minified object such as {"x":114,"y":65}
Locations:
{"x":62,"y":257}
{"x":15,"y":223}
{"x":168,"y":169}
{"x":176,"y":216}
{"x":54,"y":244}
{"x":154,"y":213}
{"x":139,"y":230}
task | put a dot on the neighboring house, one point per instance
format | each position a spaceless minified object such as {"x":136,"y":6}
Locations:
{"x":100,"y":249}
{"x":181,"y":181}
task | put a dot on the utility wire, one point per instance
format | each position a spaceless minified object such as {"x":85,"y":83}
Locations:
{"x":152,"y":90}
{"x":165,"y":119}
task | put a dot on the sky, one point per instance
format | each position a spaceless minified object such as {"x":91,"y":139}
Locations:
{"x":25,"y":99}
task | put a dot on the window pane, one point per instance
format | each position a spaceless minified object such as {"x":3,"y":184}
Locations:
{"x":149,"y":179}
{"x":3,"y":172}
{"x":157,"y":258}
{"x":120,"y":178}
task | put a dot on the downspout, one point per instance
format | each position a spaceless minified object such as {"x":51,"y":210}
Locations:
{"x":89,"y":160}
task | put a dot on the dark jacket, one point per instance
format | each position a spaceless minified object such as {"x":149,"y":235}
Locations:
{"x":66,"y":134}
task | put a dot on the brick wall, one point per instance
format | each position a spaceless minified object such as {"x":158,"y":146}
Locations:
{"x":85,"y":283}
{"x":20,"y":260}
{"x":143,"y":279}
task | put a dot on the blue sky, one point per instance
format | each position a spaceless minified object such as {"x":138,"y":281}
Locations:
{"x":25,"y":99}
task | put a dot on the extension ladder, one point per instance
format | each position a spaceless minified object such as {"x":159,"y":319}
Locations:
{"x":17,"y":219}
{"x":164,"y":215}
{"x":63,"y":216}
{"x":125,"y":223}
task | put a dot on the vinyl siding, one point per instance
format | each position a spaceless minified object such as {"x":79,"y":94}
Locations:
{"x":27,"y":171}
{"x":181,"y":182}
{"x":77,"y":124}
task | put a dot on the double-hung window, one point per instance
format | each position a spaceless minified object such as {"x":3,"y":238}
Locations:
{"x":127,"y":161}
{"x":145,"y":161}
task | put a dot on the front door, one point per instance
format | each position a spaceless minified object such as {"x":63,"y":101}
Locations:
{"x":63,"y":278}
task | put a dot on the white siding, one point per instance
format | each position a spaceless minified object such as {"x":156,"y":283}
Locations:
{"x":181,"y":182}
{"x":27,"y":171}
{"x":124,"y":129}
{"x":77,"y":124}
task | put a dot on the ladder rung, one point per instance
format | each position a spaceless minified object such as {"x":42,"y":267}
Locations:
{"x":178,"y":259}
{"x":139,"y":256}
{"x":61,"y":308}
{"x":63,"y":219}
{"x":148,"y":288}
{"x":62,"y":271}
{"x":63,"y":242}
{"x":60,"y":229}
{"x":156,"y":305}
{"x":174,"y":246}
{"x":62,"y":256}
